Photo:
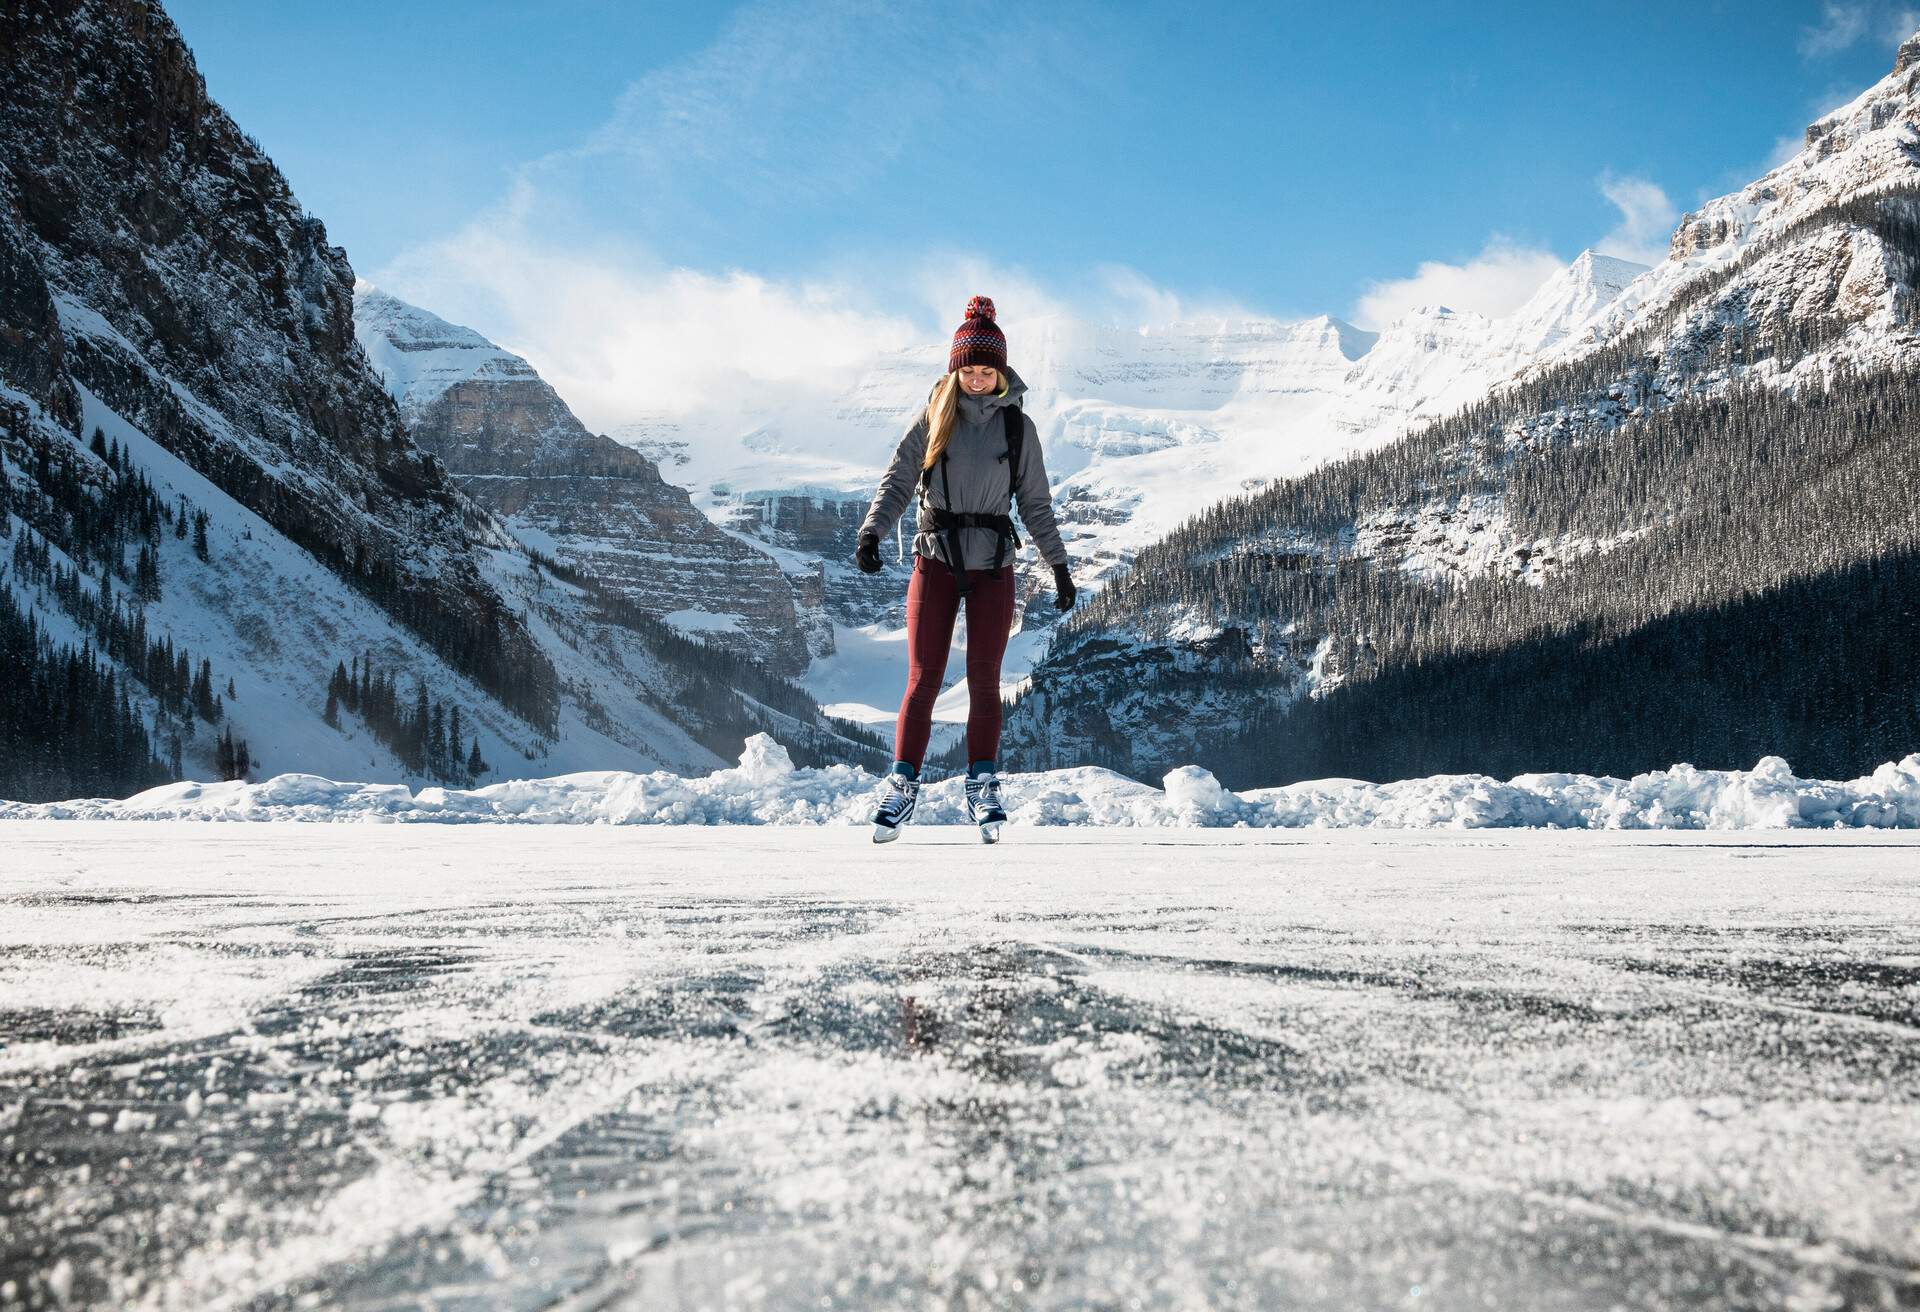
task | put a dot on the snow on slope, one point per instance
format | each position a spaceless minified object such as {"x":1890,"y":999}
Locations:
{"x":1434,"y":360}
{"x":419,"y":356}
{"x":179,"y":299}
{"x":234,"y":608}
{"x":765,"y":788}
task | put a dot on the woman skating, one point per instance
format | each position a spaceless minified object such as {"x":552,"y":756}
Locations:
{"x":969,"y":455}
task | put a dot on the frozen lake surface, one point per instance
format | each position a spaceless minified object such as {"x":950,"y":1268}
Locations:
{"x":475,"y":1067}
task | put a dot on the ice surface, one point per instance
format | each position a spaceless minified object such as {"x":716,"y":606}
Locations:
{"x":765,"y":788}
{"x":664,"y":1069}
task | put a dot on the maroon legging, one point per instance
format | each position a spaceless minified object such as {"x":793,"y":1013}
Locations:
{"x":933,"y":600}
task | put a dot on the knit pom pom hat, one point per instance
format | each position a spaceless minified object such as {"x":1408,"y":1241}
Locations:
{"x":978,"y":340}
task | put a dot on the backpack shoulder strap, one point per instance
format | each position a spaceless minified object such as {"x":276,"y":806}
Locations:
{"x":1014,"y":423}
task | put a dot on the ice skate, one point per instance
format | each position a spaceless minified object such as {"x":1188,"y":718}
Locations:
{"x":895,"y":807}
{"x":983,"y":805}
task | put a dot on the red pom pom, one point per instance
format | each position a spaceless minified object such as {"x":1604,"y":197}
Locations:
{"x":980,"y":307}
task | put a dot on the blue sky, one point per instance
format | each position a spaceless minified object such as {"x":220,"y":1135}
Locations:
{"x":558,"y":172}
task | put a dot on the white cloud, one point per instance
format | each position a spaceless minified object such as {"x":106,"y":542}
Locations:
{"x":1785,"y":147}
{"x":619,"y":336}
{"x":1501,"y":278}
{"x":1845,"y":23}
{"x":1497,"y":281}
{"x":1840,"y":26}
{"x":1138,"y":299}
{"x":942,"y":282}
{"x":1646,"y":222}
{"x":798,"y":105}
{"x":791,"y":109}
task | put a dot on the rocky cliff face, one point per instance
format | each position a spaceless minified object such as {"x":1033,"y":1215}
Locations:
{"x":195,"y":457}
{"x":510,"y":442}
{"x":197,"y":299}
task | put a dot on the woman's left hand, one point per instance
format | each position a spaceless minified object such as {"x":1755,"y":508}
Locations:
{"x":1063,"y":589}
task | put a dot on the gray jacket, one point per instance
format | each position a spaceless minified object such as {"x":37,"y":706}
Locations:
{"x":977,"y":471}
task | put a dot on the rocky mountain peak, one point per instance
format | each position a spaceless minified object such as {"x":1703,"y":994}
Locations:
{"x":1908,"y":55}
{"x":1869,"y":144}
{"x":417,"y":354}
{"x":513,"y":445}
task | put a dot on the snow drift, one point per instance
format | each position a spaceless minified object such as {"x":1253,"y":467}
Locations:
{"x":766,"y":788}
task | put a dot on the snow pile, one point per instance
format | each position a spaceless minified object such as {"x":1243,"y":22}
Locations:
{"x":766,"y":788}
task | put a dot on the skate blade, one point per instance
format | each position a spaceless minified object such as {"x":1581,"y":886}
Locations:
{"x":990,"y":831}
{"x":882,"y":834}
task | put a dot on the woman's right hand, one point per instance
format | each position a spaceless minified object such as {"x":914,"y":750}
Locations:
{"x":867,"y":556}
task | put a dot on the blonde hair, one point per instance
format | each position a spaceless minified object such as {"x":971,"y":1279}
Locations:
{"x":943,"y":410}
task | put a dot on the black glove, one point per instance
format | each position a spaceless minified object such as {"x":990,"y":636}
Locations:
{"x":867,"y":557}
{"x":1063,"y":589}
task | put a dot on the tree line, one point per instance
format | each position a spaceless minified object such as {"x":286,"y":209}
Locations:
{"x":77,"y":695}
{"x":424,"y":733}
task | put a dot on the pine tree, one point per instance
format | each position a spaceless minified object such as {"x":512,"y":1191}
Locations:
{"x":200,"y":547}
{"x":203,"y":704}
{"x":437,"y":742}
{"x":332,"y":714}
{"x":149,"y":584}
{"x":417,"y":726}
{"x":476,"y":764}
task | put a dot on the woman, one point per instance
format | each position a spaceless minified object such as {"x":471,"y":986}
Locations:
{"x":966,"y":456}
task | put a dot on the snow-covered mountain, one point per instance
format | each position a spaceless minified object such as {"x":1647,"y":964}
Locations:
{"x":1143,"y":426}
{"x":258,"y":497}
{"x":1434,"y":360}
{"x":1783,"y":246}
{"x":511,"y":443}
{"x":209,"y":504}
{"x":1717,"y":372}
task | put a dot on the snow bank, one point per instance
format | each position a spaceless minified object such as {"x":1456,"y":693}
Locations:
{"x":765,"y":788}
